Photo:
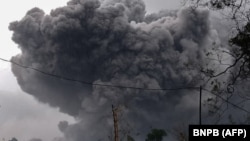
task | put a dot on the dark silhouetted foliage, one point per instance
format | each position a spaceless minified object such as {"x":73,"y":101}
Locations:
{"x":156,"y":135}
{"x":13,"y":139}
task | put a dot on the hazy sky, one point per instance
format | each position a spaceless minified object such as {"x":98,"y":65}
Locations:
{"x":21,"y":116}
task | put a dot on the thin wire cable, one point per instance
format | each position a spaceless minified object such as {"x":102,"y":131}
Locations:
{"x":97,"y":84}
{"x":121,"y":87}
{"x":227,"y":101}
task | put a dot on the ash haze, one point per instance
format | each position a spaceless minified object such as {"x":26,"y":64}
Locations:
{"x":110,"y":42}
{"x":21,"y":116}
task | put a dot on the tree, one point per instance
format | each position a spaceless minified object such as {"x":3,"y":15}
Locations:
{"x":180,"y":132}
{"x":156,"y":135}
{"x":13,"y":139}
{"x":129,"y":138}
{"x":238,"y":12}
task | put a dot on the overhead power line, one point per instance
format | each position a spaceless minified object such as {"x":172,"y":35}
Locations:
{"x":121,"y":87}
{"x":97,"y":84}
{"x":227,"y":101}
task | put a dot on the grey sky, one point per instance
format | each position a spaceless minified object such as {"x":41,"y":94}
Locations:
{"x":156,"y":5}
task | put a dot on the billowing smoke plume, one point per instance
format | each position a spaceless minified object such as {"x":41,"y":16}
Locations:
{"x":113,"y":42}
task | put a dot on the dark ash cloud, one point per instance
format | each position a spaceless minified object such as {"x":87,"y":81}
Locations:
{"x":113,"y":42}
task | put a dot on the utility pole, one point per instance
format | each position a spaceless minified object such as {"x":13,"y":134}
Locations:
{"x":115,"y":117}
{"x":200,"y":105}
